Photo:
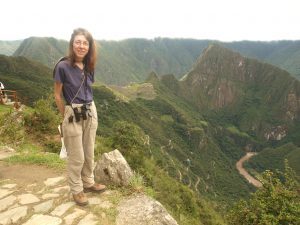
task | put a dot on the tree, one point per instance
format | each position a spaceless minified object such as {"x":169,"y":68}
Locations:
{"x":277,"y":202}
{"x":129,"y":139}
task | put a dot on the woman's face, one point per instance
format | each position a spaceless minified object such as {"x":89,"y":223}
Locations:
{"x":80,"y":47}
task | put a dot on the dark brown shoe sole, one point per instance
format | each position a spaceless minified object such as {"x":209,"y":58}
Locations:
{"x":82,"y":203}
{"x":85,"y":190}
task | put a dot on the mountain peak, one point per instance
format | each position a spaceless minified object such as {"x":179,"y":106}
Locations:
{"x":152,"y":78}
{"x":221,"y":77}
{"x":216,"y":53}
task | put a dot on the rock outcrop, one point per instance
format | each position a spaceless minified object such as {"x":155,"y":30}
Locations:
{"x":142,"y":210}
{"x":112,"y":168}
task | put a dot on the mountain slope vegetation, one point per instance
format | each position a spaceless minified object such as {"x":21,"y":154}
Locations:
{"x":31,"y":80}
{"x":250,"y":94}
{"x":9,"y":47}
{"x":284,"y":54}
{"x":130,"y":60}
{"x":186,"y":205}
{"x":188,"y":134}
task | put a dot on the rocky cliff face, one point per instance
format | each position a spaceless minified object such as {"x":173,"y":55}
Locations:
{"x":292,"y":102}
{"x":224,"y":76}
{"x":257,"y":92}
{"x":216,"y":76}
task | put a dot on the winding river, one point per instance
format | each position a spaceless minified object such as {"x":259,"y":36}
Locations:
{"x":244,"y":173}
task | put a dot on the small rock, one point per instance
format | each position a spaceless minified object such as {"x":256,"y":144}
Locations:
{"x":71,"y":217}
{"x":13,"y":215}
{"x":5,"y":192}
{"x":25,"y":199}
{"x":89,"y":219}
{"x":6,"y":202}
{"x":39,"y":219}
{"x":51,"y":195}
{"x":94,"y":201}
{"x":43,"y":207}
{"x":9,"y":186}
{"x":61,"y":209}
{"x":53,"y":181}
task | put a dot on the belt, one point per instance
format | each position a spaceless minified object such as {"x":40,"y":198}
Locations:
{"x":80,"y":104}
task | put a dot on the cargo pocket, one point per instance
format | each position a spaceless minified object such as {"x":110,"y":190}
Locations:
{"x":94,"y":118}
{"x":70,"y":129}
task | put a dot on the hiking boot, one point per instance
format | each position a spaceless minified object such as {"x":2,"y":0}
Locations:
{"x":80,"y":199}
{"x":95,"y":188}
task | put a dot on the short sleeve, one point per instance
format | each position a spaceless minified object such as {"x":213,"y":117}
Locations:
{"x":59,"y":73}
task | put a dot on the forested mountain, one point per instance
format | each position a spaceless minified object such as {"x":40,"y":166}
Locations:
{"x":9,"y":47}
{"x":43,"y":50}
{"x":258,"y":98}
{"x":284,"y":54}
{"x":32,"y":80}
{"x":122,"y":62}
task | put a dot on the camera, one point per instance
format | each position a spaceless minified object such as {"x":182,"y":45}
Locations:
{"x":80,"y":113}
{"x":77,"y":114}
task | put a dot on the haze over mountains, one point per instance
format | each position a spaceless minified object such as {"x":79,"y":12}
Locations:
{"x":202,"y":105}
{"x":122,"y":62}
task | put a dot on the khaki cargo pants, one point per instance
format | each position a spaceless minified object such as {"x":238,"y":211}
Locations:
{"x":79,"y":139}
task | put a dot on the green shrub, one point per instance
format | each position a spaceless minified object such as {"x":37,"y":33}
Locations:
{"x":129,"y":140}
{"x":44,"y":118}
{"x":102,"y":145}
{"x":52,"y":145}
{"x":12,"y":128}
{"x":277,"y":202}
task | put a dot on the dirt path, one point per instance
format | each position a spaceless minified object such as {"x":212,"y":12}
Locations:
{"x":26,"y":174}
{"x":244,"y":173}
{"x":32,"y":194}
{"x":197,"y":183}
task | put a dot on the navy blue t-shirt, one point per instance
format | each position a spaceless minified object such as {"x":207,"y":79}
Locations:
{"x":71,"y":77}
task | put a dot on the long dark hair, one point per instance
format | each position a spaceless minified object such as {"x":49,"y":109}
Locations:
{"x":91,"y":57}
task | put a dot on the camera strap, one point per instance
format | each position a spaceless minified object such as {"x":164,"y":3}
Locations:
{"x":84,"y":77}
{"x":82,"y":81}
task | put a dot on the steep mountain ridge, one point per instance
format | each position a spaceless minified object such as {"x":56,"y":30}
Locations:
{"x":43,"y":50}
{"x":224,"y":80}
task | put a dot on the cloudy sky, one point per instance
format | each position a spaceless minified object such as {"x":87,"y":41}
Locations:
{"x":224,"y":20}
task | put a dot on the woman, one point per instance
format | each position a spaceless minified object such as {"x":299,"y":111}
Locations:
{"x":73,"y":79}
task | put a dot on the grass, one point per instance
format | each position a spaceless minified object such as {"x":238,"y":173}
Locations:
{"x":167,"y":119}
{"x":5,"y":109}
{"x":138,"y":185}
{"x":50,"y":160}
{"x":135,"y":90}
{"x":236,"y":131}
{"x":33,"y":154}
